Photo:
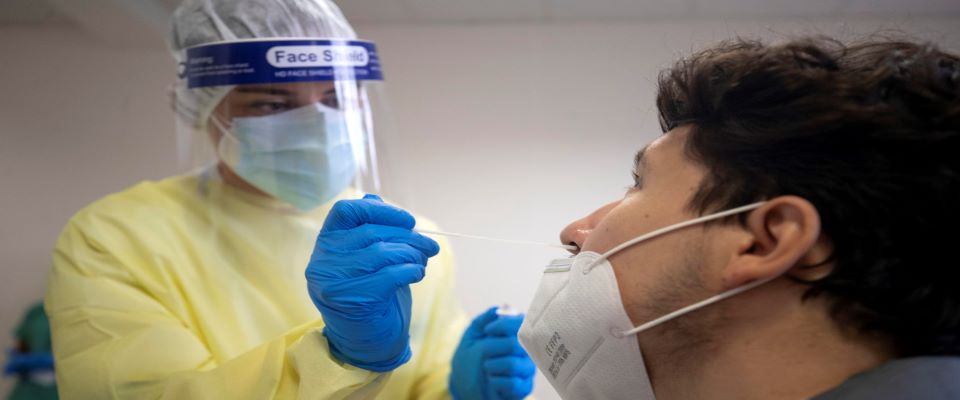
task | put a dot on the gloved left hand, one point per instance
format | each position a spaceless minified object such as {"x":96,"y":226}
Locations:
{"x":489,"y":364}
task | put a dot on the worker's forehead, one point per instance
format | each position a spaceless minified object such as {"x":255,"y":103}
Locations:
{"x":286,"y":87}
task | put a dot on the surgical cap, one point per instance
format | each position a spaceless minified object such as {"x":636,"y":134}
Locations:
{"x":197,"y":22}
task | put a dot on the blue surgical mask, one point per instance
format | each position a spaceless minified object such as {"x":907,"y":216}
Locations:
{"x":303,"y":157}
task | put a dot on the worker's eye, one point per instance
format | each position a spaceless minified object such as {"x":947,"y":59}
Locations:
{"x":268,"y":107}
{"x":331,"y":100}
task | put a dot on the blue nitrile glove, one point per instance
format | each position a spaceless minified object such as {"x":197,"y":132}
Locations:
{"x":365,"y":258}
{"x":21,"y":363}
{"x":489,"y":363}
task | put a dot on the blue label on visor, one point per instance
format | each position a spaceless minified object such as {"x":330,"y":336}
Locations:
{"x":278,"y":61}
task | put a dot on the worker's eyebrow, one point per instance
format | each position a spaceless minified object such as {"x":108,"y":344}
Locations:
{"x":265,"y":90}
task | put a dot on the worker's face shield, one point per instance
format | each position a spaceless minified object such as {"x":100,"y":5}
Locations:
{"x":289,"y":118}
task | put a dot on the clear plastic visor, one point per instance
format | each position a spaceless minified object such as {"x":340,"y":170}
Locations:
{"x":289,"y":119}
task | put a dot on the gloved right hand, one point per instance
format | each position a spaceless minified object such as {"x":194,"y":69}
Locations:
{"x":365,"y":258}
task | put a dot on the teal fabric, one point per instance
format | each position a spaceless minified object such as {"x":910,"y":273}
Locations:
{"x":33,"y":335}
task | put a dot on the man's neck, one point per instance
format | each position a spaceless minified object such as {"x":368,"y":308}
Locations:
{"x":794,"y":352}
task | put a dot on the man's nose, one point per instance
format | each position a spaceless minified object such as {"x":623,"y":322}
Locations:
{"x":578,"y":231}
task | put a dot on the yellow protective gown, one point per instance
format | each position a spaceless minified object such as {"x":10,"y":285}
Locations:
{"x":187,"y":288}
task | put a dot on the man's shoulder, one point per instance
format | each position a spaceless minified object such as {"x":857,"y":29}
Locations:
{"x":929,"y":378}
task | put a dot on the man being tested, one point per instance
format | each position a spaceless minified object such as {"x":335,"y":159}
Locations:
{"x":790,"y":236}
{"x":215,"y":285}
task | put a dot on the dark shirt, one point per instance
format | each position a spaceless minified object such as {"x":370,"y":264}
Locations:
{"x":927,"y":378}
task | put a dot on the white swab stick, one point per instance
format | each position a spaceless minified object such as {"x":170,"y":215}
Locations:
{"x":460,"y":235}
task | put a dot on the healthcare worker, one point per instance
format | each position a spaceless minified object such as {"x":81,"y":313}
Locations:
{"x":790,"y":236}
{"x":216,"y":284}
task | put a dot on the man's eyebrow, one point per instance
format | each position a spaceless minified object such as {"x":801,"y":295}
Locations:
{"x":640,"y":161}
{"x":264,"y":90}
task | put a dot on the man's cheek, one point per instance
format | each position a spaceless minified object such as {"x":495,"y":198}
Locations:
{"x":635,"y":287}
{"x":601,"y":239}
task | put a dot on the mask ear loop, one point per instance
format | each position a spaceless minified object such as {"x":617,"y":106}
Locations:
{"x":668,"y":229}
{"x":222,"y":127}
{"x":650,"y":324}
{"x":226,"y":147}
{"x":692,"y":307}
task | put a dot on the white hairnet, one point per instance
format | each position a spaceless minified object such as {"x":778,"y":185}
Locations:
{"x":197,"y":22}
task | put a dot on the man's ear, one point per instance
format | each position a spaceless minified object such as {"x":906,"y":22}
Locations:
{"x":782,"y":234}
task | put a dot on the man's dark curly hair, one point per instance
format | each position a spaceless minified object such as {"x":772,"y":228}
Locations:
{"x":867,"y":132}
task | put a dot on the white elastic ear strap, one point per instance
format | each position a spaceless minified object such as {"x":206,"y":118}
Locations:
{"x":672,"y":228}
{"x":696,"y":306}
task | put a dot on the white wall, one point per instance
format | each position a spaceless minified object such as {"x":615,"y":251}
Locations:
{"x":77,"y":121}
{"x":508,"y":130}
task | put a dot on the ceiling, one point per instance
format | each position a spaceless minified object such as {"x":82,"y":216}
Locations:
{"x":132,"y":21}
{"x":442,"y":11}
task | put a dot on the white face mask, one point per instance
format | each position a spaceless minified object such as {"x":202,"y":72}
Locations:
{"x":302,"y":156}
{"x":578,"y":333}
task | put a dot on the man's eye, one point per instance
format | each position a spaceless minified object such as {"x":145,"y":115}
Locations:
{"x":637,"y":181}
